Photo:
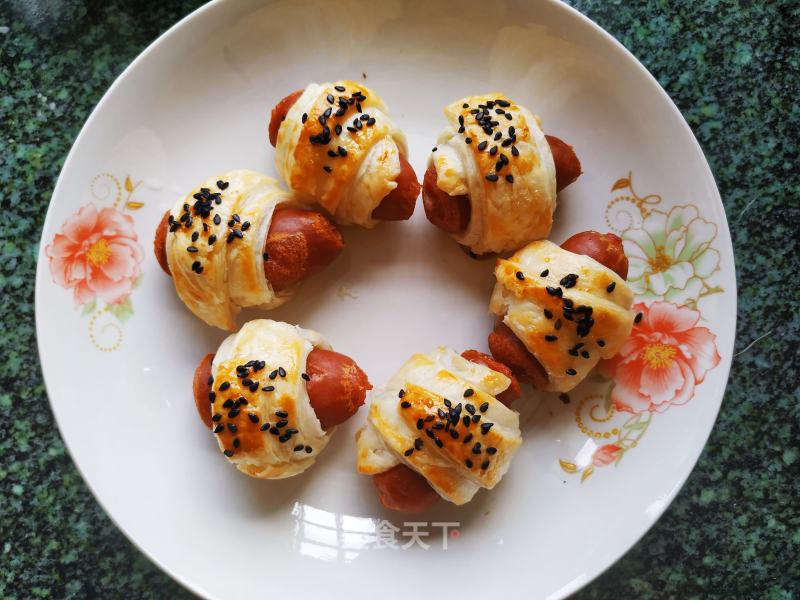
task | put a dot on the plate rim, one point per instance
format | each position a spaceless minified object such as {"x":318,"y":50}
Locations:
{"x":719,"y":213}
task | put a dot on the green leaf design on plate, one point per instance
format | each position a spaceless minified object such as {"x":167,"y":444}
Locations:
{"x":122,"y":311}
{"x":89,"y":308}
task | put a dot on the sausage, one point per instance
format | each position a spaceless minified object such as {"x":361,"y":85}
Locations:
{"x":279,"y":114}
{"x":399,"y":204}
{"x":336,"y":387}
{"x":403,"y":489}
{"x":509,"y":350}
{"x":605,"y":248}
{"x":202,"y":388}
{"x":452,"y":213}
{"x":449,"y":213}
{"x":568,"y":167}
{"x":160,"y":243}
{"x":512,"y":392}
{"x":299,"y":243}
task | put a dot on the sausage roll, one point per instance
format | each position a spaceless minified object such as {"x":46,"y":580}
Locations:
{"x":439,"y":415}
{"x":567,"y":309}
{"x":337,"y":146}
{"x":262,"y":412}
{"x":215,"y":246}
{"x":493,"y":176}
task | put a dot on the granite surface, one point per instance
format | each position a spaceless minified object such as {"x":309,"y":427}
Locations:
{"x":731,"y":67}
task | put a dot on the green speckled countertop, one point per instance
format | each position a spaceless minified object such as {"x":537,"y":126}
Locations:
{"x":731,"y":67}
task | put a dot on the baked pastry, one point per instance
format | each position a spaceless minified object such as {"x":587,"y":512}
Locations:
{"x":337,"y":146}
{"x":439,"y":416}
{"x":561,"y":309}
{"x":239,"y":240}
{"x":493,"y":175}
{"x":273,"y":395}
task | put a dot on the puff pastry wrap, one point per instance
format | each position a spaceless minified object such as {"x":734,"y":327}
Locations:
{"x":504,"y":215}
{"x":357,"y":181}
{"x":599,"y":319}
{"x":418,"y":391}
{"x":232,"y":275}
{"x":271,"y":445}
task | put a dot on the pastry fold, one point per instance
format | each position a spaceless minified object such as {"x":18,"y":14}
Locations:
{"x":567,"y":309}
{"x":339,"y":148}
{"x":215,"y":246}
{"x":263,"y":419}
{"x":439,"y":415}
{"x":489,"y":138}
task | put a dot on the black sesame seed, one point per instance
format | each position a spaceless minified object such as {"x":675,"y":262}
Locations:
{"x":482,"y":145}
{"x":232,"y":427}
{"x":564,"y":398}
{"x":484,"y":407}
{"x":601,"y":343}
{"x":550,"y":338}
{"x":493,"y":150}
{"x":491,"y":450}
{"x":228,"y":403}
{"x":309,"y":450}
{"x":508,"y":116}
{"x":408,"y":452}
{"x":441,"y":413}
{"x":476,"y":449}
{"x":571,"y":372}
{"x":304,"y":118}
{"x":274,"y":374}
{"x":485,"y":427}
{"x":217,"y":219}
{"x":370,"y":122}
{"x":281,"y":414}
{"x":216,"y":417}
{"x":247,"y":382}
{"x":219,"y":428}
{"x":305,"y":376}
{"x":438,"y":426}
{"x":212,"y":396}
{"x":418,"y":444}
{"x":233,"y":414}
{"x":211,"y":239}
{"x":420,"y":423}
{"x":611,"y":286}
{"x":254,"y":387}
{"x":585,"y":354}
{"x":468,"y":140}
{"x":492,"y":177}
{"x":223,"y":185}
{"x":476,"y":418}
{"x":468,"y":462}
{"x":467,"y":439}
{"x":405,"y":404}
{"x":510,"y":178}
{"x":339,"y":88}
{"x":195,"y":235}
{"x":281,"y":371}
{"x":548,"y":313}
{"x":520,"y":275}
{"x":485,"y":465}
{"x":228,"y":453}
{"x":454,"y":434}
{"x":470,"y":408}
{"x":544,"y":273}
{"x":401,"y":393}
{"x":191,"y":249}
{"x":438,"y":442}
{"x":253,"y":417}
{"x":638,"y":317}
{"x":268,"y":388}
{"x":338,"y":129}
{"x":466,"y":420}
{"x":298,"y":447}
{"x":468,"y":392}
{"x":281,"y":423}
{"x":553,"y":291}
{"x":283,"y":438}
{"x":447,"y":403}
{"x":224,"y":386}
{"x":329,"y":98}
{"x":514,"y":151}
{"x":557,"y":324}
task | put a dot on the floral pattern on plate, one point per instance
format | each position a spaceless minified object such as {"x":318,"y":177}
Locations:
{"x":97,"y":255}
{"x":669,"y":353}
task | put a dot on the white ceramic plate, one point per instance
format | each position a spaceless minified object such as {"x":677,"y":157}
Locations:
{"x":592,"y":476}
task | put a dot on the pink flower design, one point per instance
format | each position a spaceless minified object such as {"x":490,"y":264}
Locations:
{"x":666,"y":356}
{"x":97,"y":255}
{"x":605,"y":455}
